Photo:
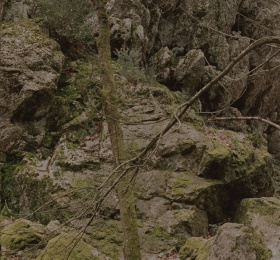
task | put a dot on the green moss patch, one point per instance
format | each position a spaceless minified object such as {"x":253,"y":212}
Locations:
{"x":69,"y":246}
{"x":194,"y":248}
{"x":20,"y":235}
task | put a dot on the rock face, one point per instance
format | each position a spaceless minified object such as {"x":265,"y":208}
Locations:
{"x":30,"y":68}
{"x":54,"y":140}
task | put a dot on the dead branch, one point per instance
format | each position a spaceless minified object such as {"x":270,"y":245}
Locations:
{"x":184,"y":107}
{"x":245,"y":118}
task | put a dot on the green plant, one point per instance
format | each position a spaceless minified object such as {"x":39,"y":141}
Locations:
{"x":213,"y":229}
{"x":256,"y":140}
{"x":9,"y":187}
{"x":132,"y":67}
{"x":67,"y":19}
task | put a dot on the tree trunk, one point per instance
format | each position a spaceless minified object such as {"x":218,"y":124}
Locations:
{"x":2,"y":3}
{"x":124,"y":188}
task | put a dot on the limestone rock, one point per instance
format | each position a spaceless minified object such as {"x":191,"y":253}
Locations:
{"x":232,"y":242}
{"x":30,"y":68}
{"x":189,"y":70}
{"x":18,"y":9}
{"x":186,"y":222}
{"x":59,"y":247}
{"x":260,"y":214}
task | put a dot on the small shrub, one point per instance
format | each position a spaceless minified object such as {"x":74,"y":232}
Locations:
{"x":132,"y":67}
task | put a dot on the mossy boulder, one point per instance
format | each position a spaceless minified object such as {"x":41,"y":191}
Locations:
{"x":21,"y":234}
{"x":262,"y":214}
{"x":69,"y":246}
{"x":185,"y":222}
{"x":194,"y":247}
{"x":233,"y":242}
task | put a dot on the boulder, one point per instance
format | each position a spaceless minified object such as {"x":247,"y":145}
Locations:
{"x":21,"y":234}
{"x":30,"y":67}
{"x":232,"y":242}
{"x":18,"y":9}
{"x":260,"y":214}
{"x":72,"y":246}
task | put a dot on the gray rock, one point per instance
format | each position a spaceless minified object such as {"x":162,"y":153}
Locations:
{"x":30,"y":68}
{"x":260,"y":214}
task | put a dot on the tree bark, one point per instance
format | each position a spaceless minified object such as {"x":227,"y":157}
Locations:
{"x":124,"y":188}
{"x":2,"y":3}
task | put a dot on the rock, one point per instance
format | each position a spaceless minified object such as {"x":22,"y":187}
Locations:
{"x":162,"y":60}
{"x":59,"y":247}
{"x":18,"y":9}
{"x":236,"y":241}
{"x":189,"y":70}
{"x":30,"y":68}
{"x":21,"y":234}
{"x":274,"y":143}
{"x":54,"y":226}
{"x":185,"y":222}
{"x":153,"y":208}
{"x":262,"y":96}
{"x":260,"y":215}
{"x":232,"y":242}
{"x":193,"y":247}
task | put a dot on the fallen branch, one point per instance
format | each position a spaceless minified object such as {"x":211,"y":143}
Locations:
{"x":245,"y":118}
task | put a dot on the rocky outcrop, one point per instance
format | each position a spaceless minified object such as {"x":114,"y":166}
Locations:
{"x":30,"y":68}
{"x":56,"y":140}
{"x":198,"y":176}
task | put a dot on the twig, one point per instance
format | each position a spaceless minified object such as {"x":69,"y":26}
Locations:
{"x":245,"y":118}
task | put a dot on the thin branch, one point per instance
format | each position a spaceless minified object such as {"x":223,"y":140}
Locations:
{"x":186,"y":106}
{"x":245,"y":118}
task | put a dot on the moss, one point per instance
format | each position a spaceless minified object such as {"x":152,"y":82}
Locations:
{"x":259,"y":206}
{"x":20,"y":234}
{"x":256,"y":140}
{"x":9,"y":192}
{"x":181,"y":183}
{"x":160,"y":232}
{"x":215,"y":160}
{"x":36,"y":189}
{"x":63,"y":246}
{"x":194,"y":248}
{"x":77,"y":87}
{"x":218,"y":150}
{"x":256,"y":243}
{"x":107,"y":237}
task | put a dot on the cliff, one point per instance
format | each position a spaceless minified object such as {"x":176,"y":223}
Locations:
{"x":208,"y":191}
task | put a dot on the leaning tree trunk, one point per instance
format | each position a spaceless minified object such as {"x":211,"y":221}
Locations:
{"x":124,"y":188}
